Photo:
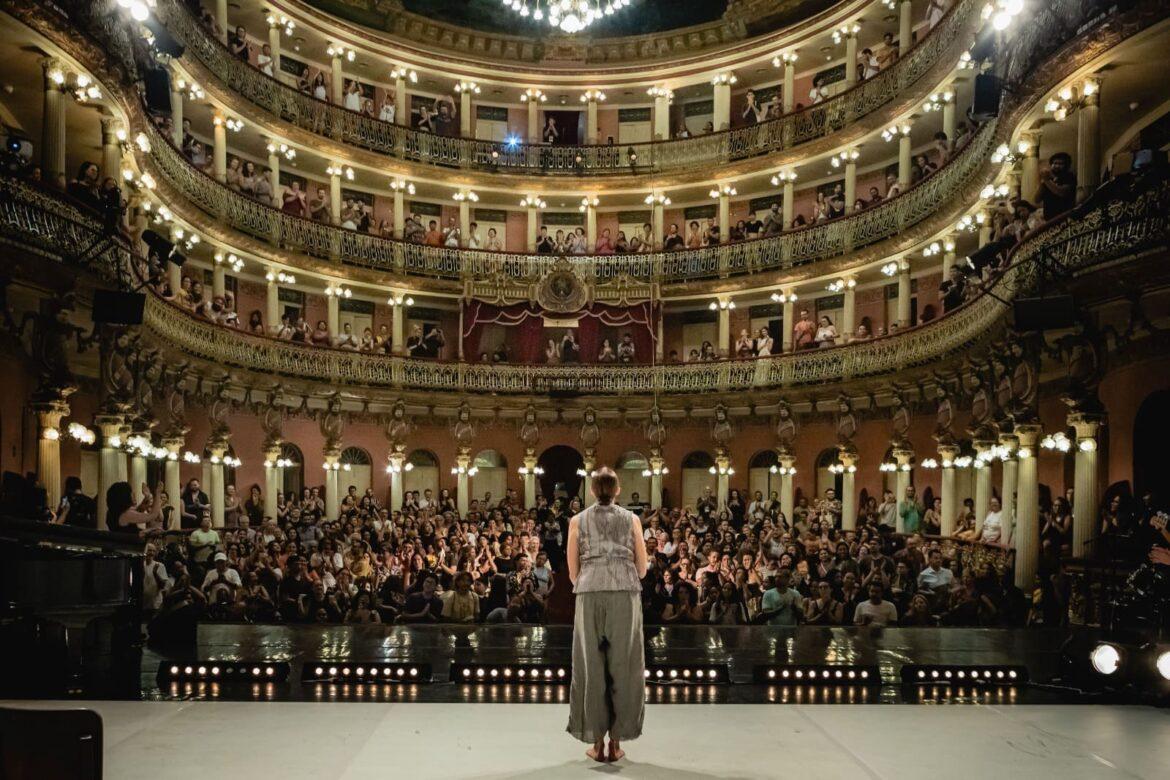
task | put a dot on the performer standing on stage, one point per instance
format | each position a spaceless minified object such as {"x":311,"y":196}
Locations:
{"x":606,"y":555}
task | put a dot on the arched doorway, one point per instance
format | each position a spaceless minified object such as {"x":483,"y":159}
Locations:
{"x":490,"y":478}
{"x":761,"y":478}
{"x":825,"y":478}
{"x":292,"y":477}
{"x":696,"y":477}
{"x":1151,"y":427}
{"x":561,"y":479}
{"x":356,"y":468}
{"x":423,"y":474}
{"x":630,"y":468}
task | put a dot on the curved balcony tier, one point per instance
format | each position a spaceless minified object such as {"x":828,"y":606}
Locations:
{"x":1085,"y":238}
{"x":349,"y":135}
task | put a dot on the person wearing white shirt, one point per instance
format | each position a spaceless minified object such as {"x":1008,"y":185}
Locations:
{"x":934,"y":577}
{"x":221,"y":577}
{"x":264,"y":60}
{"x":876,"y":611}
{"x":387,"y":112}
{"x":353,"y":96}
{"x":473,"y":240}
{"x":992,"y":530}
{"x":155,"y":580}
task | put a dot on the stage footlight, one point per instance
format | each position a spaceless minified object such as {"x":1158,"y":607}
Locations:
{"x":1105,"y":658}
{"x":963,"y":674}
{"x":816,"y":674}
{"x":688,"y":674}
{"x":366,"y":672}
{"x":224,"y":671}
{"x":511,"y":674}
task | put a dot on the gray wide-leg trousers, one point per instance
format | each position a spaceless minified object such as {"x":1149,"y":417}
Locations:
{"x":609,"y":661}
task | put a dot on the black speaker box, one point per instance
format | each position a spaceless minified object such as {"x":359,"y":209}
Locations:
{"x":114,"y":307}
{"x":158,"y":91}
{"x":988,"y":89}
{"x":1045,"y":313}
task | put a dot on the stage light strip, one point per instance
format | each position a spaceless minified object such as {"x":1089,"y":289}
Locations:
{"x":224,"y":672}
{"x":506,"y":674}
{"x":963,"y":674}
{"x":373,"y":672}
{"x":687,"y":674}
{"x":816,"y":674}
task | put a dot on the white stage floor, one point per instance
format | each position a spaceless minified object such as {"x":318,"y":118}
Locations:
{"x":357,"y":740}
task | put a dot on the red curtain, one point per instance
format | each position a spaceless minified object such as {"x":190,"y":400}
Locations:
{"x":527,"y":335}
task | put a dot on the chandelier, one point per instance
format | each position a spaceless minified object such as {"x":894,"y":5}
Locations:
{"x":570,"y":16}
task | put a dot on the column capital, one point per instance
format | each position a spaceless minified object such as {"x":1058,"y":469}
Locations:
{"x":903,"y":456}
{"x":331,"y":456}
{"x":849,"y":459}
{"x":110,"y":426}
{"x":173,"y":444}
{"x":530,"y":463}
{"x":1028,"y":434}
{"x":787,"y":461}
{"x":50,"y":412}
{"x":463,"y":461}
{"x":947,"y":454}
{"x":271,"y":454}
{"x":1009,"y":446}
{"x":1086,"y":424}
{"x":113,"y":129}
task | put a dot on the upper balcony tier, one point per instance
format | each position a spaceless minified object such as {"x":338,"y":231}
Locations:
{"x":320,"y":119}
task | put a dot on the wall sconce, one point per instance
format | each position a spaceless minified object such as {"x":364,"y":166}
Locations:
{"x":341,"y":52}
{"x":533,"y":202}
{"x":402,"y":185}
{"x":533,"y":95}
{"x":402,"y":72}
{"x":467,"y":86}
{"x":595,"y":95}
{"x":783,"y":177}
{"x":784,"y":58}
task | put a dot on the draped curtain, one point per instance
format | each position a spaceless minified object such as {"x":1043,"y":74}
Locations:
{"x":527,"y":335}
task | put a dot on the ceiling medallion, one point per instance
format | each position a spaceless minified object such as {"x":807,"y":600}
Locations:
{"x":569,"y":16}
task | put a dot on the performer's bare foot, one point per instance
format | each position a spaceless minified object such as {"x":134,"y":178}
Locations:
{"x":615,"y":752}
{"x":597,"y":752}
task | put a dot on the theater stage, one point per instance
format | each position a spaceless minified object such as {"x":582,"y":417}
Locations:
{"x":202,"y":740}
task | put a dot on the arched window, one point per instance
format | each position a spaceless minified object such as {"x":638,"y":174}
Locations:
{"x":423,"y":474}
{"x":630,"y":468}
{"x":825,"y":478}
{"x":697,"y":477}
{"x":293,"y":477}
{"x":490,"y":482}
{"x":761,"y":478}
{"x":357,"y":470}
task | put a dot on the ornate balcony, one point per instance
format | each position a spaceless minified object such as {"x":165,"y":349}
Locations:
{"x":42,"y":222}
{"x":942,"y":46}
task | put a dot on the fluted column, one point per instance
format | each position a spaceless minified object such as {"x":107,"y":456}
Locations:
{"x":219,"y":148}
{"x":589,"y":204}
{"x":533,"y":228}
{"x":905,"y":157}
{"x":949,"y":255}
{"x":274,"y":173}
{"x":662,"y":97}
{"x":721,"y":102}
{"x":399,"y":212}
{"x":401,"y":107}
{"x":337,"y":76}
{"x":272,"y":303}
{"x":787,"y":489}
{"x":904,"y":293}
{"x":112,"y":134}
{"x":335,"y":171}
{"x":464,"y":220}
{"x":396,"y":468}
{"x":109,"y":462}
{"x":657,"y":219}
{"x":177,"y":96}
{"x":1030,"y":166}
{"x":982,"y":466}
{"x":466,"y":110}
{"x":591,"y":99}
{"x":723,"y":472}
{"x":1009,"y":479}
{"x":850,"y":179}
{"x":332,"y":460}
{"x":529,"y":481}
{"x":950,"y":502}
{"x":788,"y":199}
{"x":788,"y":313}
{"x":398,"y":332}
{"x":53,"y":123}
{"x":462,"y":482}
{"x":221,"y":18}
{"x":724,"y":338}
{"x":1088,"y":141}
{"x":849,"y":310}
{"x":589,"y":464}
{"x":333,"y":316}
{"x":1085,"y":482}
{"x":788,"y":94}
{"x":724,"y":215}
{"x":905,"y":26}
{"x":218,"y":277}
{"x":215,"y":482}
{"x":274,"y":30}
{"x":849,"y":461}
{"x":903,"y":458}
{"x":657,"y":469}
{"x":851,"y":57}
{"x":273,"y":478}
{"x":534,"y":101}
{"x":172,"y":479}
{"x":1027,"y":535}
{"x":137,"y":474}
{"x":948,"y":115}
{"x":49,"y":414}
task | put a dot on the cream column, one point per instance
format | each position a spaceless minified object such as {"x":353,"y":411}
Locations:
{"x":723,"y":472}
{"x":950,"y":505}
{"x":53,"y":127}
{"x":215,"y":483}
{"x":335,"y":171}
{"x":851,"y":156}
{"x":902,"y":476}
{"x":948,"y":114}
{"x":137,"y":475}
{"x":272,"y":479}
{"x":787,"y":490}
{"x":533,"y":97}
{"x":721,"y":104}
{"x":529,"y":474}
{"x":849,"y":461}
{"x":274,"y":173}
{"x":221,"y":18}
{"x":332,"y":458}
{"x":110,"y":459}
{"x":851,"y":55}
{"x":274,"y":30}
{"x":904,"y":155}
{"x":219,"y":148}
{"x":589,"y":206}
{"x":462,"y":482}
{"x":464,"y":199}
{"x":272,"y":302}
{"x":1030,"y":166}
{"x":396,"y":468}
{"x":333,"y":312}
{"x":949,"y":255}
{"x":905,"y":27}
{"x":1088,"y":141}
{"x":399,"y":189}
{"x":1009,"y":481}
{"x":589,"y":463}
{"x":218,"y":277}
{"x":662,"y":97}
{"x":337,"y":74}
{"x":174,"y":277}
{"x":982,"y":466}
{"x":398,"y":330}
{"x":1027,"y":535}
{"x":657,"y":469}
{"x":466,"y":110}
{"x":724,"y":192}
{"x":660,"y":341}
{"x":172,"y":479}
{"x":985,"y":227}
{"x":177,"y":97}
{"x":591,"y":98}
{"x":849,"y":310}
{"x":532,"y":204}
{"x":1085,"y":482}
{"x":788,"y":197}
{"x":724,"y":305}
{"x":401,"y":111}
{"x":49,"y":414}
{"x":789,"y":314}
{"x":788,"y":94}
{"x":904,"y":293}
{"x":657,"y":219}
{"x":112,"y":135}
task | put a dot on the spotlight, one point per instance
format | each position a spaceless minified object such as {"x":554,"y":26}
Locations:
{"x":1105,"y":658}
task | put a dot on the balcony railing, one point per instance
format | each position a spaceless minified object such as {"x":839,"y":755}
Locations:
{"x":944,"y":43}
{"x":791,"y":249}
{"x":1112,"y":229}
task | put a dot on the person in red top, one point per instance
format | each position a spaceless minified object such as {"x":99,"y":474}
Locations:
{"x":804,"y":332}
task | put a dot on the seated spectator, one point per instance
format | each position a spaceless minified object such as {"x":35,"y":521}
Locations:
{"x":876,"y":611}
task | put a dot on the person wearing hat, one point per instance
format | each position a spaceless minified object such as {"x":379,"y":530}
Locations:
{"x":221,"y":578}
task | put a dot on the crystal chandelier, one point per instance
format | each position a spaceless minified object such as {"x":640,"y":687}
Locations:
{"x":569,"y":16}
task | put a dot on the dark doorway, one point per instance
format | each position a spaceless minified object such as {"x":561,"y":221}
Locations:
{"x":1151,"y":427}
{"x":568,"y":126}
{"x":560,"y":478}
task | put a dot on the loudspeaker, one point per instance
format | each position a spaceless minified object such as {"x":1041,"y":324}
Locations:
{"x":164,"y":42}
{"x":988,"y":89}
{"x":163,"y":247}
{"x":114,"y":307}
{"x":158,"y":91}
{"x":1045,"y":313}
